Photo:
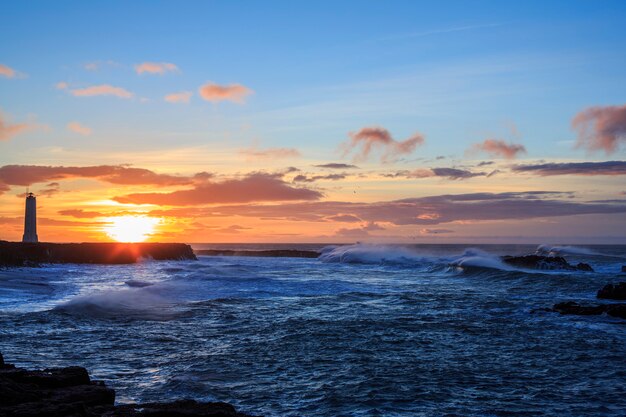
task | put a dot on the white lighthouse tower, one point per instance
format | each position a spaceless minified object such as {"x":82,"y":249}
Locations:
{"x":30,"y":220}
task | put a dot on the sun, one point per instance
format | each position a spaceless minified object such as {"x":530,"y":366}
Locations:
{"x":130,"y":228}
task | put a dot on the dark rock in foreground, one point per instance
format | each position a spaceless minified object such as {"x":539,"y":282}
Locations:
{"x":69,"y":392}
{"x":613,"y":291}
{"x":274,"y":253}
{"x":623,"y":268}
{"x":545,"y":263}
{"x":34,"y":254}
{"x":571,"y":307}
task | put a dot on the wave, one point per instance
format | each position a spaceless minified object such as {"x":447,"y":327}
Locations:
{"x":370,"y":254}
{"x":565,"y":250}
{"x":404,"y":256}
{"x":136,"y":303}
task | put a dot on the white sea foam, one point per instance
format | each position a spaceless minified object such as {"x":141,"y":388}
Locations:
{"x":370,"y":254}
{"x":148,"y":303}
{"x":477,"y":258}
{"x":565,"y":250}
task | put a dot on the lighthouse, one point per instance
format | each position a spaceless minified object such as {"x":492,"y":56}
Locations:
{"x":30,"y":220}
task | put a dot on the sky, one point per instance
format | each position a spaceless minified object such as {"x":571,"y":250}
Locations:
{"x":398,"y":121}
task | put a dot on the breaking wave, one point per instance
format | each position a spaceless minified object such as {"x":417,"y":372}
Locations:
{"x":149,"y":302}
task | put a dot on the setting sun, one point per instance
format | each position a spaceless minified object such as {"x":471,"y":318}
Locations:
{"x":130,"y":228}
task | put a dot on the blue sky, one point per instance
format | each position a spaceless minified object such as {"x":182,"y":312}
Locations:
{"x":456,"y":72}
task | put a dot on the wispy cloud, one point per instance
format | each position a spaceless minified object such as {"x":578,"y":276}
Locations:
{"x":159,"y":68}
{"x":8,"y":130}
{"x":498,"y":148}
{"x":334,"y":165}
{"x":369,"y":138}
{"x":439,"y":31}
{"x":7,"y":71}
{"x":270,"y":153}
{"x":236,"y":93}
{"x":102,"y":90}
{"x":180,"y":97}
{"x":601,"y":128}
{"x":78,"y":128}
{"x":574,"y":168}
{"x":449,"y":173}
{"x":61,"y":85}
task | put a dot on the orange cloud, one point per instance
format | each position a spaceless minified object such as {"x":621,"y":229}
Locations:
{"x":78,"y":128}
{"x":253,"y":187}
{"x":236,"y":93}
{"x":61,"y":85}
{"x":155,"y":68}
{"x":601,"y":128}
{"x":25,"y":175}
{"x":181,"y":97}
{"x":270,"y":153}
{"x":7,"y":131}
{"x":102,"y":90}
{"x":369,"y":137}
{"x":7,"y":72}
{"x":499,"y":148}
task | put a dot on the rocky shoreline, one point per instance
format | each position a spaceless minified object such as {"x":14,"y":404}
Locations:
{"x":608,"y":292}
{"x":16,"y":254}
{"x":70,"y":392}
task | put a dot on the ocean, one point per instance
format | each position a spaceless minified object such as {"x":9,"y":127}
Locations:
{"x":366,"y":330}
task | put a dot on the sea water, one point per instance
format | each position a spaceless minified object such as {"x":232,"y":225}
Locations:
{"x":365,"y":330}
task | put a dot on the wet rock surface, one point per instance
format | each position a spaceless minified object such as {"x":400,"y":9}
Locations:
{"x":69,"y":392}
{"x":613,"y":291}
{"x":572,"y":307}
{"x":545,"y":263}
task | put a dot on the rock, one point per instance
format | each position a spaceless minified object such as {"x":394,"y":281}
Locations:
{"x":613,"y":291}
{"x":273,"y":253}
{"x":623,"y":268}
{"x":571,"y":307}
{"x":69,"y":392}
{"x":544,"y":263}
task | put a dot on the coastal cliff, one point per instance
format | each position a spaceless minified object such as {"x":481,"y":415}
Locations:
{"x":34,"y":254}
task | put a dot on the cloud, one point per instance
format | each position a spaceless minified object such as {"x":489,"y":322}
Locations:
{"x":370,"y":137}
{"x":449,"y":173}
{"x":7,"y":130}
{"x":336,"y":166}
{"x":236,"y":93}
{"x":155,"y":68}
{"x":270,"y":153}
{"x":102,"y":90}
{"x":25,"y":175}
{"x":81,"y":214}
{"x":61,"y":85}
{"x":601,"y":128}
{"x":425,"y":211}
{"x":498,"y":148}
{"x":344,"y":218}
{"x":180,"y":97}
{"x":7,"y":71}
{"x":574,"y":168}
{"x":78,"y":128}
{"x":329,"y":177}
{"x":251,"y":188}
{"x":435,"y":231}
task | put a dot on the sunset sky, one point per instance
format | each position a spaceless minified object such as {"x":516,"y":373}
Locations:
{"x":316,"y":121}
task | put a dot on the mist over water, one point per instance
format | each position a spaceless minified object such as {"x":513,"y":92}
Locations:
{"x":364,"y":330}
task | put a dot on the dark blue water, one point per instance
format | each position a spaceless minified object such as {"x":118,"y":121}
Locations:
{"x":366,"y":331}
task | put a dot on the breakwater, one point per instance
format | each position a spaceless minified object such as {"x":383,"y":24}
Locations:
{"x":34,"y":254}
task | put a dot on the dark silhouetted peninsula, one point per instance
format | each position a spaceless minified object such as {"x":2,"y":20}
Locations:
{"x":35,"y":254}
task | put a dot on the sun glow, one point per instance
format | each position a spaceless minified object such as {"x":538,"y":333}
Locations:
{"x":130,"y":228}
